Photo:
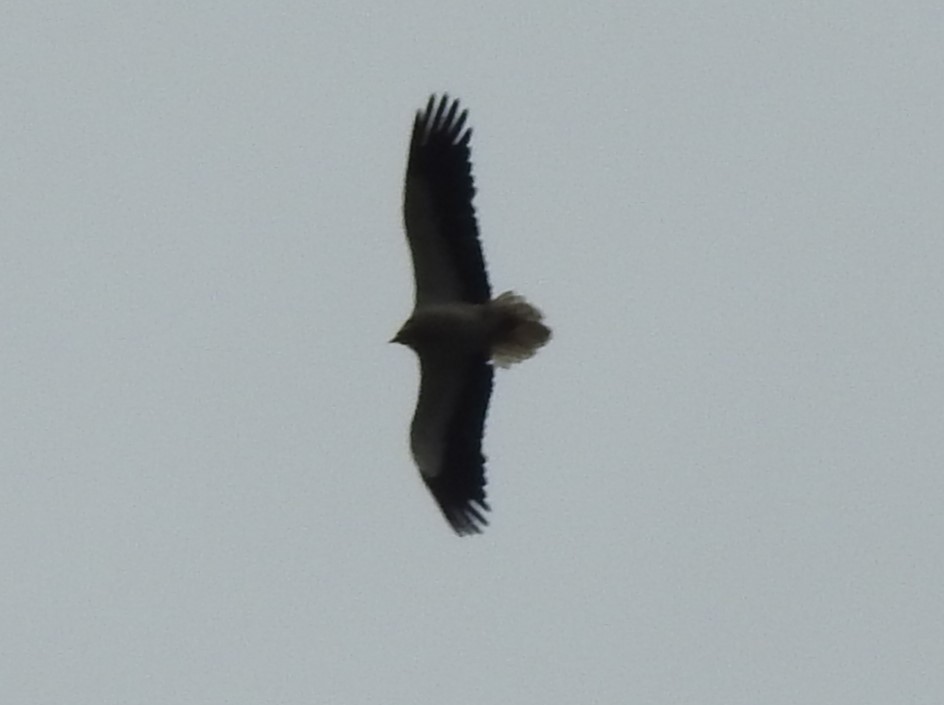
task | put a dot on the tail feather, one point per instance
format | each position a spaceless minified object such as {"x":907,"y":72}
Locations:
{"x":519,"y":330}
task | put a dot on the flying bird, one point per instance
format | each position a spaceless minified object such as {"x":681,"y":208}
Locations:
{"x":457,"y":330}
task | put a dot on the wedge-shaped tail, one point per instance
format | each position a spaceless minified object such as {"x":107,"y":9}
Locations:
{"x":518,"y":327}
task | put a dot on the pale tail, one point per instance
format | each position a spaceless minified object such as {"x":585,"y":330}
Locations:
{"x":519,"y":329}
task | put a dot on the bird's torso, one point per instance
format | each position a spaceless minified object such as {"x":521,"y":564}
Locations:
{"x":450,"y":328}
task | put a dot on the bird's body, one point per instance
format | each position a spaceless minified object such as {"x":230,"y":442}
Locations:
{"x":456,"y":329}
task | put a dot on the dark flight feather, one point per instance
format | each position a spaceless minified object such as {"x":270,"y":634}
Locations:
{"x":460,"y":488}
{"x":439,"y":160}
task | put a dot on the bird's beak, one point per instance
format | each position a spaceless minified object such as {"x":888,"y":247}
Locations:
{"x":395,"y":339}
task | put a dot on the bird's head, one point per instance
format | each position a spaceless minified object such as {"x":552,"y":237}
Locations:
{"x":406,"y":335}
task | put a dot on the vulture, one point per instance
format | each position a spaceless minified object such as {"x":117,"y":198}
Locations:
{"x":457,"y":330}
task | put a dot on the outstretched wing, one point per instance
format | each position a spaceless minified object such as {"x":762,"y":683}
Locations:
{"x":437,"y":208}
{"x":446,"y":436}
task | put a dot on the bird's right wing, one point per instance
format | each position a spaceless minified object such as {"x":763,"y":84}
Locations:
{"x":446,"y":435}
{"x":437,"y":209}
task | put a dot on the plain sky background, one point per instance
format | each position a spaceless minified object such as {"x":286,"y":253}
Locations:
{"x":722,"y":483}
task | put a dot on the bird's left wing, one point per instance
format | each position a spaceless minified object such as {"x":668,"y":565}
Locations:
{"x":446,"y":435}
{"x":437,"y":209}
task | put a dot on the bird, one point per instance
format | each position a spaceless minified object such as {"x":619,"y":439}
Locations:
{"x":457,"y":330}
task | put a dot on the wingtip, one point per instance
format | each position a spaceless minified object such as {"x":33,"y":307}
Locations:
{"x":468,"y":521}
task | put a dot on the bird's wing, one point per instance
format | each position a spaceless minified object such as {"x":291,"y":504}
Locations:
{"x":437,"y":208}
{"x":446,"y":435}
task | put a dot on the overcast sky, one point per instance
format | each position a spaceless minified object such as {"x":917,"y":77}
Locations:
{"x":722,"y":483}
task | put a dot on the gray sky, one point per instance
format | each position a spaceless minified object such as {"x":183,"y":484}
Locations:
{"x":720,"y":484}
